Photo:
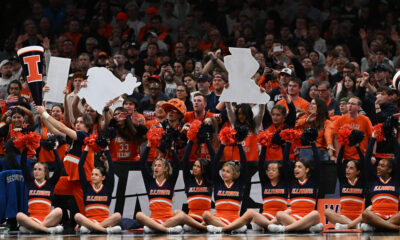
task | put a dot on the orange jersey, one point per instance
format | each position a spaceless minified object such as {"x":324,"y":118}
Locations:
{"x":190,"y":117}
{"x":274,"y":152}
{"x":325,"y":135}
{"x":299,"y":103}
{"x":250,"y":147}
{"x":124,"y":150}
{"x":361,"y":123}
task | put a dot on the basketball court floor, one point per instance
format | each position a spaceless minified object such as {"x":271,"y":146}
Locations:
{"x":249,"y":235}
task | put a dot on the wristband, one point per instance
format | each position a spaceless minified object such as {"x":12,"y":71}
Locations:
{"x":45,"y":115}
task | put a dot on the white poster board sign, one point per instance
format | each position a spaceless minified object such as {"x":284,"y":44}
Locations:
{"x":241,"y":66}
{"x":57,"y":79}
{"x":103,"y":86}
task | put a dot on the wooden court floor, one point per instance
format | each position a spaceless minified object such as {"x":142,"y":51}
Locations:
{"x":248,"y":235}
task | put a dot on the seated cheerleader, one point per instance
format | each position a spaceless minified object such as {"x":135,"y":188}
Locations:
{"x":160,"y":190}
{"x":384,"y":191}
{"x":352,"y":184}
{"x":228,"y":192}
{"x":97,"y":198}
{"x":303,"y":197}
{"x":198,"y":187}
{"x":40,"y":193}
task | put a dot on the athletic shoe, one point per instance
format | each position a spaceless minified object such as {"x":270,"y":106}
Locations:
{"x":367,"y":228}
{"x":317,"y":228}
{"x":214,"y":229}
{"x":55,"y":230}
{"x":242,"y":229}
{"x":175,"y":230}
{"x":188,"y":228}
{"x":23,"y":229}
{"x":148,"y":229}
{"x":274,"y":228}
{"x":84,"y":230}
{"x":339,"y":226}
{"x":256,"y":227}
{"x":115,"y":229}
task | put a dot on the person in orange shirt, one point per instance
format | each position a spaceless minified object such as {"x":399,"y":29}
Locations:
{"x":318,"y":118}
{"x":356,"y":121}
{"x":293,"y":90}
{"x":213,"y":41}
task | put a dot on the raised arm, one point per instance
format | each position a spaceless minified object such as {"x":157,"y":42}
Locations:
{"x":259,"y":117}
{"x":286,"y":153}
{"x":317,"y":165}
{"x":25,"y":171}
{"x":339,"y":165}
{"x":368,"y":170}
{"x":58,"y":125}
{"x":217,"y":159}
{"x":231,"y":113}
{"x":290,"y":119}
{"x":185,"y":162}
{"x":175,"y":166}
{"x":57,"y":172}
{"x":261,"y":169}
{"x":82,"y":174}
{"x":110,"y":173}
{"x":243,"y":165}
{"x":144,"y":165}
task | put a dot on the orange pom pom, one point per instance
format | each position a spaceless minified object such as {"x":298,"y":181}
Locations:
{"x":154,"y":136}
{"x":344,"y":134}
{"x":193,"y":130}
{"x":227,"y":136}
{"x":91,"y":143}
{"x":379,"y":134}
{"x":265,"y":138}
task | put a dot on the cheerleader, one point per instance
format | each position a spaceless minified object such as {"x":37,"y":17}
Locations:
{"x":303,"y":197}
{"x":40,"y":193}
{"x":228,"y":192}
{"x":352,"y":183}
{"x":160,"y":190}
{"x":70,"y":185}
{"x":383,"y":190}
{"x":198,"y":187}
{"x":97,"y":198}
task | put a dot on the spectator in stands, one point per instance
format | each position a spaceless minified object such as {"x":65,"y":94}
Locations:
{"x":324,"y":92}
{"x":293,"y":90}
{"x":194,"y":50}
{"x":6,"y":77}
{"x":148,"y":103}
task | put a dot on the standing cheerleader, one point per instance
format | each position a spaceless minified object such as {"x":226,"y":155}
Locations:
{"x":198,"y":186}
{"x":303,"y":197}
{"x":40,"y":193}
{"x":97,"y":198}
{"x":383,"y":190}
{"x":228,"y":192}
{"x":352,"y":184}
{"x":160,"y":190}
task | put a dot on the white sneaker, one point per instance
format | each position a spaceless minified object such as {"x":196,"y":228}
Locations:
{"x":214,"y":229}
{"x":55,"y":230}
{"x":148,"y":229}
{"x":276,"y":228}
{"x":367,"y":228}
{"x":188,"y":228}
{"x":23,"y":229}
{"x":256,"y":227}
{"x":115,"y":229}
{"x":242,"y":229}
{"x":339,"y":226}
{"x":317,"y":228}
{"x":175,"y":230}
{"x":84,"y":230}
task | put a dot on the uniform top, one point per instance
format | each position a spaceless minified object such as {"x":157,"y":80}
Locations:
{"x":90,"y":194}
{"x":153,"y":188}
{"x":223,"y":191}
{"x":76,"y":145}
{"x":384,"y":194}
{"x":268,"y":190}
{"x":46,"y":189}
{"x":192,"y":186}
{"x":348,"y":188}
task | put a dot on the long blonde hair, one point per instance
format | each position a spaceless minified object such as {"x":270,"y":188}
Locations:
{"x":166,"y":164}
